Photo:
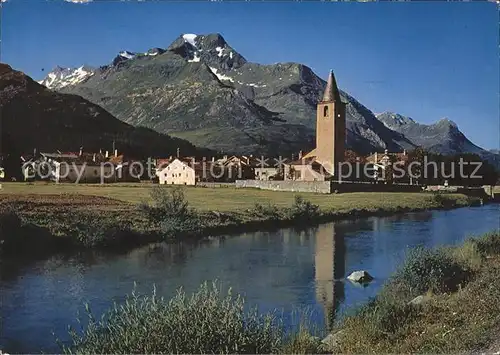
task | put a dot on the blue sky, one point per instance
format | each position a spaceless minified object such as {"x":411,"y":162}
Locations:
{"x":426,"y":60}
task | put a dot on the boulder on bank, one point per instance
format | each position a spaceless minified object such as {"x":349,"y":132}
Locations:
{"x":361,"y":276}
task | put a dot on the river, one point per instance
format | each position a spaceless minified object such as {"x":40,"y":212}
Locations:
{"x":288,"y":269}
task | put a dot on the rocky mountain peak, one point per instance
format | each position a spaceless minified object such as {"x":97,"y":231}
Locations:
{"x":211,"y":49}
{"x":60,"y":77}
{"x":446,"y":122}
{"x":393,"y":120}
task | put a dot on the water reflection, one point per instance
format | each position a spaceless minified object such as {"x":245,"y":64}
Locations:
{"x":329,"y":262}
{"x":284,"y":269}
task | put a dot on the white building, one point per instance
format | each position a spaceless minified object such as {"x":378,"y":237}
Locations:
{"x":177,"y":173}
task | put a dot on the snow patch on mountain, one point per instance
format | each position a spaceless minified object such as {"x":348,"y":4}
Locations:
{"x":221,"y":77}
{"x":62,"y":77}
{"x":127,"y":54}
{"x":195,"y":59}
{"x":190,"y":38}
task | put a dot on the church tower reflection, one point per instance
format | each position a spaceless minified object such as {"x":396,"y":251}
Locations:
{"x":329,"y":266}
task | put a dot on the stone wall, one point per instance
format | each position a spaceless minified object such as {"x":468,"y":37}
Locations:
{"x":323,"y":187}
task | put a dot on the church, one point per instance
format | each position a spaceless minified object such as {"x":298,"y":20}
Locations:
{"x":323,"y":162}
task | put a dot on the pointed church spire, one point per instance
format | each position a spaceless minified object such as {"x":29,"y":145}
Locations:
{"x":331,"y":90}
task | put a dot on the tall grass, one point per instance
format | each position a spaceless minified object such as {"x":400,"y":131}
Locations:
{"x":208,"y":321}
{"x":431,"y":270}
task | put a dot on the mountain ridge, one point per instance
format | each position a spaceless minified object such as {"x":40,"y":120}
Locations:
{"x":263,"y":103}
{"x":442,"y":136}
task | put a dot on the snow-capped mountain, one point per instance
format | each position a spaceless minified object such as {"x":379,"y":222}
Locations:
{"x":201,"y":89}
{"x":211,"y":49}
{"x":61,"y":77}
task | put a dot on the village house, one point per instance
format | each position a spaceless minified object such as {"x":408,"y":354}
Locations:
{"x":72,"y":167}
{"x":176,"y":172}
{"x":126,"y":169}
{"x":238,"y":167}
{"x":82,"y":167}
{"x":382,"y":162}
{"x":182,"y":171}
{"x":305,"y":170}
{"x":225,"y":169}
{"x":268,"y":173}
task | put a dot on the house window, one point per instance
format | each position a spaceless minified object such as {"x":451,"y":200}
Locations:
{"x":183,"y":168}
{"x":95,"y":172}
{"x":165,"y":174}
{"x":325,"y":111}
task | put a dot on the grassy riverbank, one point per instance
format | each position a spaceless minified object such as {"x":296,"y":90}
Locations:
{"x":83,"y":216}
{"x":459,"y":313}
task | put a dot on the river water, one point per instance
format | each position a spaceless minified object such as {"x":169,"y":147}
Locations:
{"x":288,"y":269}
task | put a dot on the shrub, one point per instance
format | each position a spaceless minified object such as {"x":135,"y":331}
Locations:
{"x":303,"y":209}
{"x":432,"y":270}
{"x":488,"y":244}
{"x":207,"y":322}
{"x":167,"y":203}
{"x":266,"y":211}
{"x":91,"y":231}
{"x":382,"y":316}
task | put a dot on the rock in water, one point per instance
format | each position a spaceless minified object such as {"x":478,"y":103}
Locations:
{"x":360,"y":276}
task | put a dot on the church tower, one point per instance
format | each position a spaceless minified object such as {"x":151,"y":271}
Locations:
{"x":330,"y":127}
